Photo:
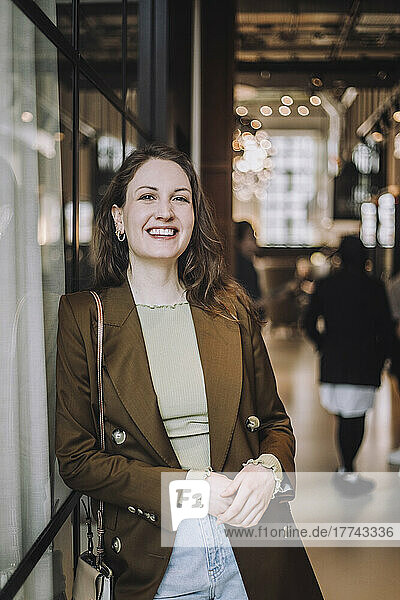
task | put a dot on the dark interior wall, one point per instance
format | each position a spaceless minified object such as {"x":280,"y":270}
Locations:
{"x":180,"y":74}
{"x":217,"y":25}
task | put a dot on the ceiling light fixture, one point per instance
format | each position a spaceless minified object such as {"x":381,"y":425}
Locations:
{"x":241,"y":111}
{"x":303,"y":111}
{"x":266,"y":144}
{"x":377,"y":136}
{"x":266,"y":111}
{"x":287,"y":100}
{"x":256,"y":124}
{"x":315,"y":100}
{"x":236,"y":145}
{"x":284,"y":111}
{"x":317,"y":81}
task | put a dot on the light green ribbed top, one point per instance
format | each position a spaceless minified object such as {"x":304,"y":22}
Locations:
{"x":178,"y":379}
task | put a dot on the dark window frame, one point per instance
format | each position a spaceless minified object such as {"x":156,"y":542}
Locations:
{"x":150,"y":125}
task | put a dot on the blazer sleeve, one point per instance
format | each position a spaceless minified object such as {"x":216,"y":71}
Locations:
{"x":115,"y":479}
{"x":276,"y":432}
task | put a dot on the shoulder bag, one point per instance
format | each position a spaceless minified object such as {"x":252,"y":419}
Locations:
{"x":94,"y":579}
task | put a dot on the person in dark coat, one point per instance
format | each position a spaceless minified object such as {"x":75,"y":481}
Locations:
{"x":394,"y":299}
{"x":245,"y":272}
{"x":353,"y":345}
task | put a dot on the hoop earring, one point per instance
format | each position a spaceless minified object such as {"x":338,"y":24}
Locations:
{"x":121,"y":237}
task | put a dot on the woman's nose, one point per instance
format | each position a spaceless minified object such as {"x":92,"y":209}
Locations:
{"x":164,"y":209}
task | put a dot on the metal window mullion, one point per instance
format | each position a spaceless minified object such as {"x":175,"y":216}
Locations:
{"x":145,"y":60}
{"x":38,"y":548}
{"x":76,"y":534}
{"x":75,"y":151}
{"x":160,"y":71}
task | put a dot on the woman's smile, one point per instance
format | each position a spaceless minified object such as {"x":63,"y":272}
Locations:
{"x":162,"y":233}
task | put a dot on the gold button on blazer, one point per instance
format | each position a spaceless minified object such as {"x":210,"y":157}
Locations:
{"x":239,"y":382}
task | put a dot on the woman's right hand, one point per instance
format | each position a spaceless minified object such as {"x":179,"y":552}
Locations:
{"x":218,"y":483}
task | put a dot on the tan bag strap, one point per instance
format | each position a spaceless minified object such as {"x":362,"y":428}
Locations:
{"x":100,"y":329}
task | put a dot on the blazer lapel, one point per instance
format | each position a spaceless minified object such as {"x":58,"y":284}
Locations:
{"x":126,"y":361}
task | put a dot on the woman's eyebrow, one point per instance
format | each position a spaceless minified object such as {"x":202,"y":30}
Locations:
{"x":149,"y":187}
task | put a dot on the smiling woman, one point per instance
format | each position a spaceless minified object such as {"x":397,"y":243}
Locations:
{"x":189,"y":391}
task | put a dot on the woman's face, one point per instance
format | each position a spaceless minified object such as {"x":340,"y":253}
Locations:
{"x":158,"y":216}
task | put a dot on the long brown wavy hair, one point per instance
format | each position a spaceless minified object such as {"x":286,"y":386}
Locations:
{"x":201,"y":267}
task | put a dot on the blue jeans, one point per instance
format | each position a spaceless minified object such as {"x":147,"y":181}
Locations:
{"x":202,"y":565}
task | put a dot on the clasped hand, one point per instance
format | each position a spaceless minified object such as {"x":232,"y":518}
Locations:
{"x":242,"y":501}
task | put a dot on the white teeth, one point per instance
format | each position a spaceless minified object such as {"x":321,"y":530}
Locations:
{"x":162,"y":231}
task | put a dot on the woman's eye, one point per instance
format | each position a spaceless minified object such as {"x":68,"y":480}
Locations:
{"x":151,"y":197}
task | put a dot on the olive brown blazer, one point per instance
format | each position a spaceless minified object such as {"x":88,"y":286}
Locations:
{"x":239,"y":383}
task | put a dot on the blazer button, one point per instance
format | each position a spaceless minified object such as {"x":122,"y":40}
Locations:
{"x":116,"y":545}
{"x":252,"y":423}
{"x":119,"y":436}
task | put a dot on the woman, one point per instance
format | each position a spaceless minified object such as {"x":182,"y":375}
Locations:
{"x":185,"y":367}
{"x":353,"y":345}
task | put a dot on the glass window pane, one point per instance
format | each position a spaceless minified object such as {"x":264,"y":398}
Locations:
{"x":132,"y":56}
{"x":63,"y":139}
{"x":66,"y":124}
{"x":100,"y":31}
{"x":100,"y":155}
{"x":132,"y":139}
{"x":60,"y":13}
{"x":64,"y":16}
{"x":52,"y":577}
{"x":32,"y":267}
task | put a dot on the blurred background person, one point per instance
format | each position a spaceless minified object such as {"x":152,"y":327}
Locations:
{"x":299,"y":288}
{"x":353,"y":344}
{"x":394,"y":299}
{"x":245,"y":272}
{"x":304,"y":284}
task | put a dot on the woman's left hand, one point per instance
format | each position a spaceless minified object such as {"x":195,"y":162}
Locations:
{"x":253,"y":486}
